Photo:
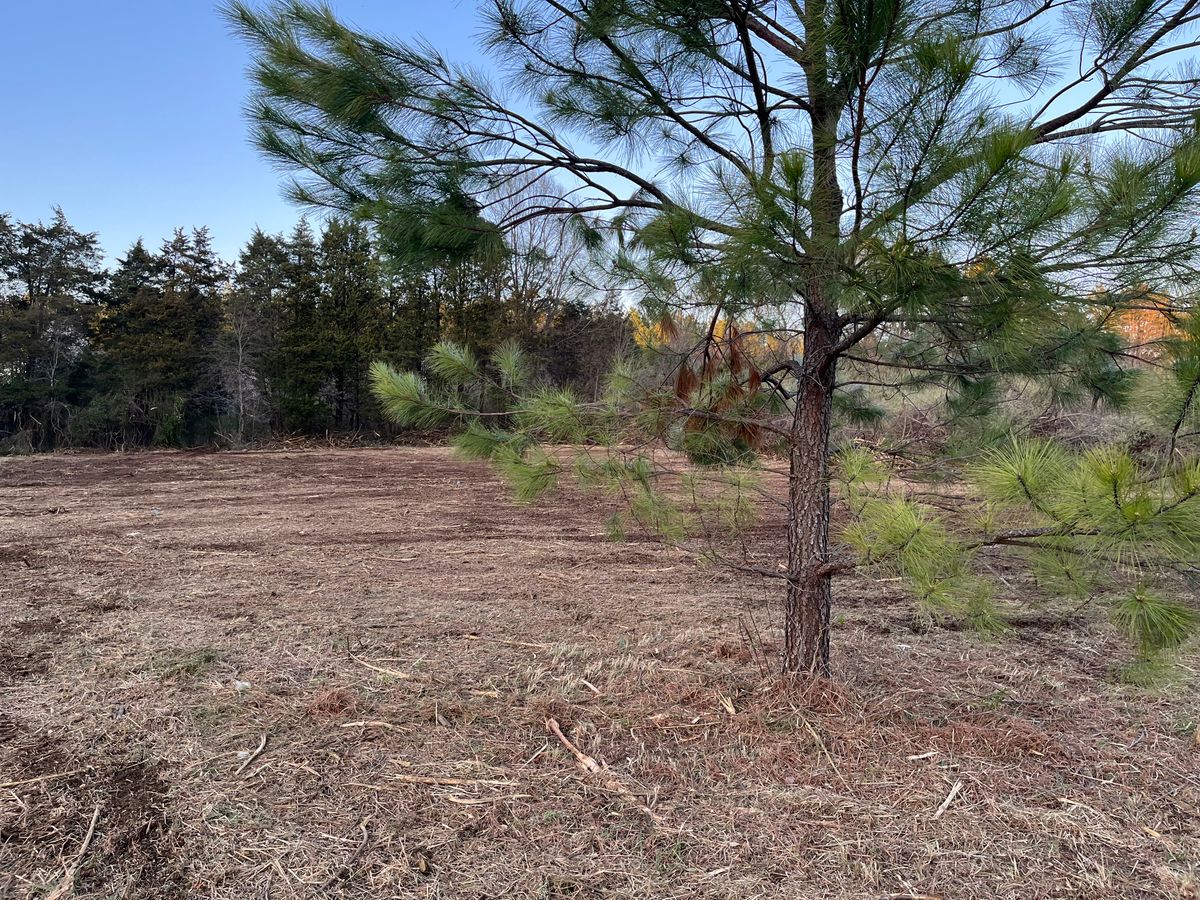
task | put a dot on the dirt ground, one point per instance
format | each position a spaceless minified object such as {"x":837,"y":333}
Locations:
{"x":399,"y":633}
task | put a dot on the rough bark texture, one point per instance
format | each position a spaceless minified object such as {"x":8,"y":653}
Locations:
{"x":809,"y":592}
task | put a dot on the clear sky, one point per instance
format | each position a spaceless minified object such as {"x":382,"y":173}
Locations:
{"x":128,"y":113}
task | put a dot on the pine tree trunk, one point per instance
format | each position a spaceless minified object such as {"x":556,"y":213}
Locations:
{"x":809,"y":591}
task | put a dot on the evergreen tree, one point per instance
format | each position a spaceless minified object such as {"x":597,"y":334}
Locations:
{"x":134,"y":272}
{"x":414,"y":315}
{"x":156,"y":345}
{"x":352,"y":317}
{"x":514,"y":292}
{"x":577,"y":344}
{"x":250,"y":333}
{"x":50,"y":277}
{"x":931,"y":191}
{"x":295,"y":368}
{"x":473,"y":308}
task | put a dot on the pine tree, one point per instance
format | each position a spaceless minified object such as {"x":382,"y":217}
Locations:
{"x":50,"y":278}
{"x":250,"y":332}
{"x":352,"y":317}
{"x":55,"y":260}
{"x":134,"y":272}
{"x":929,"y":194}
{"x":156,"y":345}
{"x":414,"y":321}
{"x":295,"y":367}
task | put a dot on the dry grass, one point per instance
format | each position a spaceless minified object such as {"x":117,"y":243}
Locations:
{"x":399,"y":633}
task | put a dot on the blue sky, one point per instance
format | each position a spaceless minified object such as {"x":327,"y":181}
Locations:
{"x":128,"y":113}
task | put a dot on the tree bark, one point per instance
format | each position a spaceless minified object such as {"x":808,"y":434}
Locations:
{"x":809,"y":589}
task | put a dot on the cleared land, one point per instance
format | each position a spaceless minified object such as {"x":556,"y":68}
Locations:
{"x":399,"y":632}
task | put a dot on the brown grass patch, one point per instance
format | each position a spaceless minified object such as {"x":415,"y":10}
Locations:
{"x":336,"y":703}
{"x":192,"y":674}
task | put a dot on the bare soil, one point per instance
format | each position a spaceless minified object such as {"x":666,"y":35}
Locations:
{"x":399,"y":631}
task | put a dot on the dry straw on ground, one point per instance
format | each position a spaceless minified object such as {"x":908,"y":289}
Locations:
{"x":334,"y":673}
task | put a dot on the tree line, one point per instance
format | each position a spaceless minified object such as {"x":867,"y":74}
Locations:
{"x":175,"y":346}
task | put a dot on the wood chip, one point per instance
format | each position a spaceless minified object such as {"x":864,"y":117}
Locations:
{"x":920,"y":756}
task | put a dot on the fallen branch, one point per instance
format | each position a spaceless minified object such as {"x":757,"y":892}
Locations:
{"x":484,"y":801}
{"x":438,"y":779}
{"x":371,"y":723}
{"x":54,"y":777}
{"x":958,"y":786}
{"x":346,"y":867}
{"x":381,"y":669}
{"x":67,"y":886}
{"x":262,"y":745}
{"x":589,"y":764}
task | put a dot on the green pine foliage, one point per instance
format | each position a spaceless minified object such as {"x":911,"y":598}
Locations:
{"x":1023,"y":472}
{"x":477,"y":441}
{"x":406,"y":399}
{"x":1102,"y":498}
{"x":500,"y":415}
{"x":1101,"y":525}
{"x":1157,"y":624}
{"x":1092,"y":527}
{"x":659,"y":515}
{"x":454,"y":364}
{"x":511,"y":363}
{"x":855,"y":405}
{"x":1170,"y":395}
{"x":1064,"y":572}
{"x":725,"y":501}
{"x":614,"y":528}
{"x":910,"y":541}
{"x":555,"y":414}
{"x":531,"y":473}
{"x":613,"y":472}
